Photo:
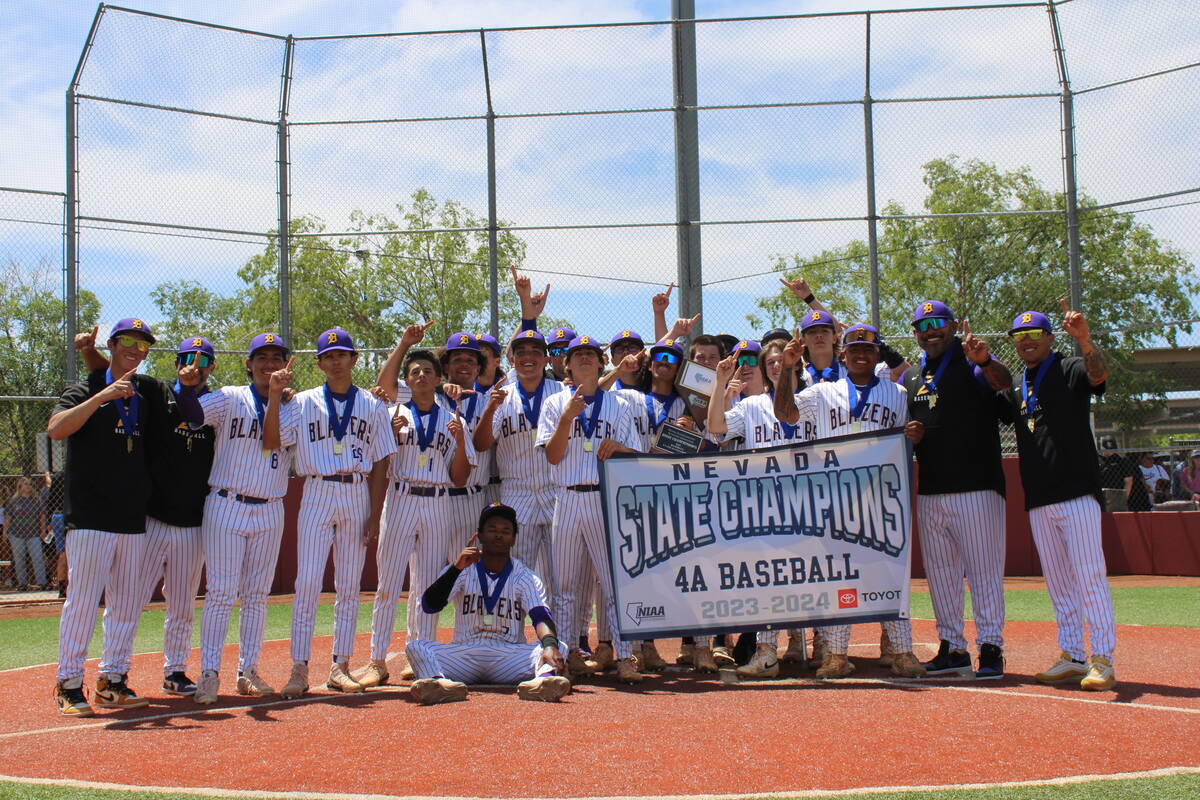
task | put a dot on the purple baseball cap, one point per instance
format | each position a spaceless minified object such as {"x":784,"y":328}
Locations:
{"x":668,"y":346}
{"x":197,"y":344}
{"x":462,"y":341}
{"x":267,"y":340}
{"x":813,"y":318}
{"x":334,"y":339}
{"x":561,"y":336}
{"x":728,"y":340}
{"x":626,"y":335}
{"x":776,"y":333}
{"x":747,"y":346}
{"x":584,"y":343}
{"x":528,"y":336}
{"x":862,"y":334}
{"x":1030,"y":319}
{"x":931,"y":308}
{"x":131,"y":325}
{"x":489,"y":340}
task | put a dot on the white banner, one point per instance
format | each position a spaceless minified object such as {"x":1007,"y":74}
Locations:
{"x":775,"y":538}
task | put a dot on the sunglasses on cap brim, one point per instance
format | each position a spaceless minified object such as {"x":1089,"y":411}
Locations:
{"x":201,"y":360}
{"x":931,"y":324}
{"x":665,"y":356}
{"x":1032,"y":334}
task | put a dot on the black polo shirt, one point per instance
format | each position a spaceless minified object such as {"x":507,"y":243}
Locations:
{"x":960,"y":451}
{"x":180,"y":481}
{"x":1058,"y":457}
{"x":107,"y":480}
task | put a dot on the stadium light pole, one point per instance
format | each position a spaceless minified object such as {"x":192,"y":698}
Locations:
{"x":687,"y":160}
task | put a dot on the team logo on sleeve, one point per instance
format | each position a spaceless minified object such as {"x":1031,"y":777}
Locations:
{"x":847,"y":598}
{"x":928,"y":309}
{"x":197,"y":342}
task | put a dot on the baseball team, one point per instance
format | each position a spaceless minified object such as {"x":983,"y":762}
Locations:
{"x":483,"y":488}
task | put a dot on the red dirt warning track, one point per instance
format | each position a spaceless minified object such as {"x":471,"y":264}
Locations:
{"x":679,"y":734}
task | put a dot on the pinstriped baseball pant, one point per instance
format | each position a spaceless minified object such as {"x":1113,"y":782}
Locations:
{"x":1067,"y":536}
{"x":962,"y":535}
{"x":479,"y":661}
{"x":332,"y":515}
{"x":532,"y":548}
{"x":899,"y":632}
{"x":464,"y":520}
{"x":100,"y":562}
{"x":177,"y":556}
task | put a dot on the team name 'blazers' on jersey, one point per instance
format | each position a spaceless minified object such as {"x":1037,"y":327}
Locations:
{"x":431,"y":466}
{"x":240,"y":463}
{"x":580,"y":465}
{"x":827,"y":407}
{"x":522,"y":592}
{"x":368,"y":437}
{"x":754,"y":420}
{"x":520,"y":463}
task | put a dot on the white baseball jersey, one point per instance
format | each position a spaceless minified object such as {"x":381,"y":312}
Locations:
{"x":647,"y":427}
{"x":239,"y":462}
{"x":579,"y":465}
{"x":754,"y":420}
{"x":521,"y":464}
{"x":431,"y":466}
{"x":368,"y":436}
{"x":521,"y":592}
{"x":882,"y":371}
{"x":827,"y":406}
{"x":470,"y":409}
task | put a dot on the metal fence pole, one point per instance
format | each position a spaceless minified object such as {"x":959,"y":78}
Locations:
{"x":687,"y":160}
{"x":285,"y":189}
{"x":493,"y":262}
{"x":869,"y":146}
{"x":1067,"y":105}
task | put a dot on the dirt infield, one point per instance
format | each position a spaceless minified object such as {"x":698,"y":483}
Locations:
{"x":681,"y":734}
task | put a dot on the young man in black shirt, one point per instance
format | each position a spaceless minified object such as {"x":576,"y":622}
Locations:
{"x":960,"y":490}
{"x":115,"y":429}
{"x":1050,"y":409}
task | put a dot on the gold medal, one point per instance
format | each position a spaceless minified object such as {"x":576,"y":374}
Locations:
{"x":1029,"y":423}
{"x":423,"y":460}
{"x":488,"y":620}
{"x":338,"y":448}
{"x":856,"y":426}
{"x":933,"y":401}
{"x":266,"y":453}
{"x":533,"y":436}
{"x":587,"y":445}
{"x":129,"y":444}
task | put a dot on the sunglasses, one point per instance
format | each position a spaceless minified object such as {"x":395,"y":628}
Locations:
{"x":132,"y":341}
{"x":861,"y":335}
{"x":665,"y":357}
{"x":930,"y":324}
{"x":557,"y":351}
{"x":201,"y":360}
{"x":747,"y":361}
{"x":1032,"y":335}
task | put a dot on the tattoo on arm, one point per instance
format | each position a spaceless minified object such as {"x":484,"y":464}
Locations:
{"x":1094,"y":361}
{"x":998,"y":376}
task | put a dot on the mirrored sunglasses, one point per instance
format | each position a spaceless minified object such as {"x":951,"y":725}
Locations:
{"x":747,"y":361}
{"x":930,"y":324}
{"x":861,"y":335}
{"x":201,"y":360}
{"x":1032,"y":335}
{"x":133,"y":341}
{"x":666,"y":357}
{"x":557,"y":351}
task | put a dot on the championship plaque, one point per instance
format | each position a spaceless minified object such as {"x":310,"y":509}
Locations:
{"x":672,"y":438}
{"x":695,"y":384}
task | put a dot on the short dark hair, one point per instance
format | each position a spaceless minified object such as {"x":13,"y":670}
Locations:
{"x":498,"y":510}
{"x":421,"y":355}
{"x":706,"y":339}
{"x":445,"y":357}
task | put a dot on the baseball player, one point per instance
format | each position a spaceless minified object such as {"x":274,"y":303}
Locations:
{"x":243,"y":514}
{"x":115,"y":424}
{"x":1060,"y":474}
{"x":577,"y":429}
{"x":433,"y":454}
{"x":492,"y":594}
{"x":960,"y":487}
{"x":860,"y":401}
{"x":556,"y":348}
{"x":463,"y":361}
{"x":343,"y":453}
{"x":490,"y":375}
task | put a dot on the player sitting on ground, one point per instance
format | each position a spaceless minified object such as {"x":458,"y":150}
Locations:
{"x":492,"y":594}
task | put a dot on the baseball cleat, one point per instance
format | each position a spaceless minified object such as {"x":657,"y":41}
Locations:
{"x":340,"y":680}
{"x":905,"y":665}
{"x":991,"y":662}
{"x":1065,"y":669}
{"x":949,"y":662}
{"x":251,"y":684}
{"x":179,"y":684}
{"x":723,"y":657}
{"x":650,"y":659}
{"x":375,"y":673}
{"x":795,"y":652}
{"x":702,"y":659}
{"x":207,"y":688}
{"x":1100,"y":675}
{"x":886,"y":653}
{"x":687,"y":654}
{"x":627,"y":671}
{"x":297,"y":683}
{"x":603,"y":658}
{"x":835,"y":665}
{"x":578,"y":665}
{"x":548,"y":688}
{"x":431,"y":691}
{"x":764,"y":663}
{"x":116,"y":694}
{"x":407,"y":673}
{"x":819,"y":649}
{"x":68,"y":696}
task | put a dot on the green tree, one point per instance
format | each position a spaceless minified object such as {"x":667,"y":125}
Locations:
{"x":989,"y":268}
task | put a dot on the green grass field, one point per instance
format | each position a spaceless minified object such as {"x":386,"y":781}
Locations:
{"x":34,"y":641}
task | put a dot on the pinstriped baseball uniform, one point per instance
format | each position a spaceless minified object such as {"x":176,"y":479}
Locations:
{"x":827,"y":407}
{"x":415,"y":531}
{"x":466,"y":502}
{"x":332,"y":514}
{"x":177,"y":556}
{"x":577,"y":529}
{"x":114,"y":561}
{"x":525,"y":476}
{"x":645,"y":427}
{"x":241,"y":539}
{"x":479,"y":653}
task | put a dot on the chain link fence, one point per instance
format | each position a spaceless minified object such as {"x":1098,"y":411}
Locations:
{"x":224,"y":182}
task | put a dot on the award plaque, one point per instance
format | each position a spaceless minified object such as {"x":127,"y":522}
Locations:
{"x":695,"y":384}
{"x":679,"y":441}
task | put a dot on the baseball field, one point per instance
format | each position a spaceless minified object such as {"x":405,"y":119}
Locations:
{"x":679,"y":735}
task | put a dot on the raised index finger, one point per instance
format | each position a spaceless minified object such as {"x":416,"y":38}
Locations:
{"x":1062,"y":303}
{"x":966,"y":327}
{"x":129,"y":374}
{"x":669,"y":288}
{"x":291,"y":361}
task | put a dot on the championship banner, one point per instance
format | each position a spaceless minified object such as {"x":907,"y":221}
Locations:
{"x":783,"y":537}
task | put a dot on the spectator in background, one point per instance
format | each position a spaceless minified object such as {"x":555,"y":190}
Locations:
{"x":1155,"y":478}
{"x":23,"y":526}
{"x":1116,"y":476}
{"x":53,"y":493}
{"x":1186,"y":483}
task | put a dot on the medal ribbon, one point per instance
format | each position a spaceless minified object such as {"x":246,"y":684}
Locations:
{"x":339,"y":424}
{"x":424,"y":433}
{"x":859,"y":401}
{"x":260,"y":407}
{"x":491,"y":598}
{"x":589,"y":426}
{"x":788,"y":430}
{"x":667,"y":401}
{"x":1029,"y":396}
{"x":127,"y":412}
{"x":531,"y":402}
{"x":827,"y":375}
{"x":931,"y":381}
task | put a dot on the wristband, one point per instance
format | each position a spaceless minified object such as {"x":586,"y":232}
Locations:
{"x":550,"y":640}
{"x":809,"y":300}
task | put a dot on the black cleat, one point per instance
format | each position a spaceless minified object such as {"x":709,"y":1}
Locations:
{"x":991,"y":662}
{"x":179,"y":684}
{"x":949,"y":662}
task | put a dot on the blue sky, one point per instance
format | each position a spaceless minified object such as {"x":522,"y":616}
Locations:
{"x":779,"y":163}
